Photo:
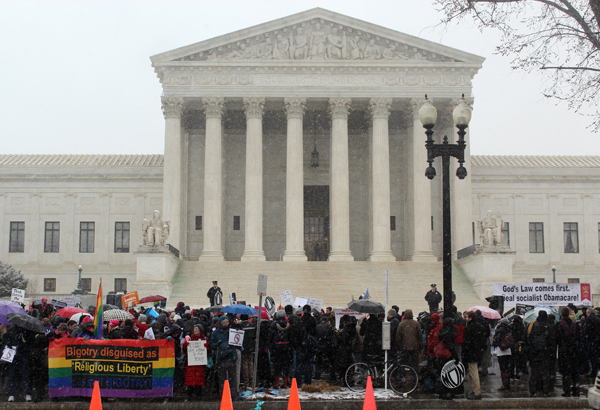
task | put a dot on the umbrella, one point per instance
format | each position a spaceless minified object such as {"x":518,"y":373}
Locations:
{"x":150,"y":299}
{"x":486,"y":312}
{"x":366,"y":306}
{"x":116,"y":314}
{"x":214,"y":309}
{"x":77,"y":316}
{"x":240,"y":310}
{"x":6,"y":308}
{"x":26,"y":322}
{"x":68,"y":312}
{"x":109,"y":307}
{"x":533,"y":314}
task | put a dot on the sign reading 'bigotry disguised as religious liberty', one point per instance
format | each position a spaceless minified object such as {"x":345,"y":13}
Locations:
{"x":541,"y":293}
{"x":123,"y":368}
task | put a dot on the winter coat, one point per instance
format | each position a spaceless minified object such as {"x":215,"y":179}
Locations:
{"x":211,"y":294}
{"x":114,"y":334}
{"x":129,"y":332}
{"x":447,"y":335}
{"x":325,"y":335}
{"x":220,"y":340}
{"x":409,"y":336}
{"x":539,"y":330}
{"x":567,"y":338}
{"x":590,"y":330}
{"x":433,"y":298}
{"x":394,"y":323}
{"x":279,"y":332}
{"x":194,"y":375}
{"x":344,"y":340}
{"x":371,"y":330}
{"x":474,"y":342}
{"x":295,"y":333}
{"x":433,"y":338}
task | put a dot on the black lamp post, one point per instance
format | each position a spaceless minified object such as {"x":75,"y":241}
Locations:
{"x":554,"y":274}
{"x":79,"y":290}
{"x":461,"y":116}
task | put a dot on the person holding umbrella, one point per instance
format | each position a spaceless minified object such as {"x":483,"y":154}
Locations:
{"x":23,"y":340}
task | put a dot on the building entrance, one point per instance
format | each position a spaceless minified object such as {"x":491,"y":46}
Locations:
{"x":316,"y":222}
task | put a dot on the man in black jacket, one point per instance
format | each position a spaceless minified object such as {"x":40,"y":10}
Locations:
{"x":541,"y":346}
{"x":212,"y":292}
{"x":474,"y":344}
{"x":305,"y":351}
{"x":433,"y":298}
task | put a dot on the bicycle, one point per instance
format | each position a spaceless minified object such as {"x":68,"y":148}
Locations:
{"x":402,"y":379}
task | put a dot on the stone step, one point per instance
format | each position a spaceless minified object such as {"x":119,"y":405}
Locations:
{"x":333,"y":282}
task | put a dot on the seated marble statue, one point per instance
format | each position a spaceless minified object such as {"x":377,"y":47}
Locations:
{"x":490,"y":230}
{"x":156,"y":231}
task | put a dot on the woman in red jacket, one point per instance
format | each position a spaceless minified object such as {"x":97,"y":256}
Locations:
{"x":194,"y":375}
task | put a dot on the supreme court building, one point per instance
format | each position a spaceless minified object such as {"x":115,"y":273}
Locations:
{"x":294,"y":149}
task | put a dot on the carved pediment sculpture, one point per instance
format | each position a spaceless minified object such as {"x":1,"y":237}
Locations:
{"x":316,"y":39}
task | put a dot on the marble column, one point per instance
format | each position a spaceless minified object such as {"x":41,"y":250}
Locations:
{"x":461,"y":199}
{"x":555,"y":245}
{"x":380,"y":181}
{"x":419,"y":192}
{"x":69,"y":233}
{"x":213,"y":180}
{"x":172,"y":188}
{"x":339,"y":198}
{"x":253,"y":223}
{"x":294,"y":181}
{"x":34,"y":233}
{"x":104,"y":246}
{"x":590,"y":231}
{"x":520,"y":243}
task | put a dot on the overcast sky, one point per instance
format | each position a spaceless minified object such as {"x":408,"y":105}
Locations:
{"x":76,"y":76}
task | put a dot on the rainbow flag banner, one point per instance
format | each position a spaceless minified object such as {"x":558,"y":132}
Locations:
{"x":123,"y":368}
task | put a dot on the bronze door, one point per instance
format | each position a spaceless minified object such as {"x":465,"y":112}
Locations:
{"x":316,"y":222}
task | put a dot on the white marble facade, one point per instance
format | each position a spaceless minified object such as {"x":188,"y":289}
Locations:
{"x":242,"y":114}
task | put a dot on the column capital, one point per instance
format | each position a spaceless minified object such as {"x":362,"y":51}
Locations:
{"x":294,"y":107}
{"x":416,"y":104}
{"x":380,"y":107}
{"x":172,"y":107}
{"x":339,"y":106}
{"x":254,"y":107}
{"x":213,"y":106}
{"x":456,"y":101}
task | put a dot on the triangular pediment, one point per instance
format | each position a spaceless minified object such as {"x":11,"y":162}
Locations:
{"x":316,"y":35}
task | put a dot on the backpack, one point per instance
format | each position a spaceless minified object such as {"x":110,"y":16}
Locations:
{"x":538,"y":342}
{"x":506,"y":342}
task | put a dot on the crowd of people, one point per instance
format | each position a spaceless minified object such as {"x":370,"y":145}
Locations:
{"x":306,"y":344}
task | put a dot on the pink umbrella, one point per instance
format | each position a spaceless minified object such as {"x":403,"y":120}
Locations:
{"x":487,"y":312}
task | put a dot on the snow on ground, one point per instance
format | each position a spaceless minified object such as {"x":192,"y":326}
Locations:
{"x":343,"y":394}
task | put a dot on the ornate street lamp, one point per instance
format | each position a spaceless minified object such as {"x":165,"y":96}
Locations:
{"x":554,"y":274}
{"x":428,"y":117}
{"x":79,"y":290}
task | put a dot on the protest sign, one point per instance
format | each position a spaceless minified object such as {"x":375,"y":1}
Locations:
{"x":130,"y":299}
{"x":18,"y":295}
{"x":232,"y":300}
{"x":300,"y":302}
{"x":8,"y":355}
{"x":314,"y":303}
{"x":339,"y":312}
{"x":123,"y":368}
{"x":236,"y":337}
{"x":286,"y":298}
{"x":58,"y":304}
{"x":197,"y":355}
{"x":71,"y":300}
{"x":521,"y":309}
{"x":547,"y":294}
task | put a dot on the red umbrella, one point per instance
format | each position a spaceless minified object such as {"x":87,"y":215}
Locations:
{"x":486,"y":312}
{"x":150,"y":299}
{"x":70,"y":311}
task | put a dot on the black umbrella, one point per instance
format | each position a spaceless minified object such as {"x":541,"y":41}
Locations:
{"x":214,"y":309}
{"x":26,"y":322}
{"x":106,"y":307}
{"x":366,"y":306}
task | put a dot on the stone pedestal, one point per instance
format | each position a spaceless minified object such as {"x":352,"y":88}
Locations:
{"x":483,"y":269}
{"x":156,"y":267}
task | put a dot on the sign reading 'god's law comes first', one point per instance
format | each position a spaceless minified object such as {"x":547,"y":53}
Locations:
{"x":123,"y":368}
{"x":541,"y":293}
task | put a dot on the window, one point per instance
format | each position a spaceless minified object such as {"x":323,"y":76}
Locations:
{"x":236,"y":223}
{"x":17,"y":237}
{"x":86,"y":237}
{"x":573,"y":280}
{"x":49,"y":284}
{"x":571,"y":236}
{"x":86,"y":284}
{"x":538,"y":280}
{"x":51,"y":237}
{"x":199,"y":223}
{"x":506,"y":234}
{"x":121,"y":237}
{"x":121,"y":285}
{"x":393,"y":223}
{"x":536,"y":237}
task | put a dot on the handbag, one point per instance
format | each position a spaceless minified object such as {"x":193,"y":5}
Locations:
{"x":441,"y":351}
{"x":506,"y":342}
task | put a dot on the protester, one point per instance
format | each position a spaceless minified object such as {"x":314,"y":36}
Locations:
{"x":474,"y":344}
{"x":409,"y":340}
{"x":194,"y":375}
{"x":504,"y":341}
{"x":540,"y":346}
{"x":226,"y":356}
{"x":305,"y":352}
{"x":567,"y":339}
{"x":23,"y":340}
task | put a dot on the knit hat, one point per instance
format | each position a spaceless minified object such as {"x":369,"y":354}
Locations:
{"x":504,"y":320}
{"x":392,"y":312}
{"x":113,"y":323}
{"x":176,"y":318}
{"x":87,"y":322}
{"x":142,"y":318}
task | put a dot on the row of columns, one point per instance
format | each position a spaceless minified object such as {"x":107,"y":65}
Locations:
{"x":339,"y":184}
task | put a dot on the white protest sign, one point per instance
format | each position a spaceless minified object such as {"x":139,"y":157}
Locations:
{"x":71,"y":300}
{"x":197,"y":355}
{"x":547,"y":294}
{"x":314,"y":303}
{"x":236,"y":337}
{"x":339,"y":312}
{"x":18,"y":296}
{"x":8,"y":355}
{"x":300,"y":302}
{"x":286,"y":298}
{"x":261,"y":289}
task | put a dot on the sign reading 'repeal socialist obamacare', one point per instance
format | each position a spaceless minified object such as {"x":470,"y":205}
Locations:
{"x":123,"y":368}
{"x":546,"y":294}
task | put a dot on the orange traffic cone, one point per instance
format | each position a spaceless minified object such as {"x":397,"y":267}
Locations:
{"x":226,"y":398}
{"x":294,"y":403}
{"x":369,"y":403}
{"x":96,"y":403}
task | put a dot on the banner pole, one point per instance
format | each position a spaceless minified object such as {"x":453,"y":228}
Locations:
{"x":385,"y":376}
{"x":256,"y":344}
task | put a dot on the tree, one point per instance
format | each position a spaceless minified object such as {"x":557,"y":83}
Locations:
{"x":9,"y":279}
{"x":559,"y":37}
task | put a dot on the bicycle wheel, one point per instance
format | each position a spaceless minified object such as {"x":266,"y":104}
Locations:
{"x":403,"y":379}
{"x":357,"y":375}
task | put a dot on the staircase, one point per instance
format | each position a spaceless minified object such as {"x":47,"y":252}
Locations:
{"x":333,"y":282}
